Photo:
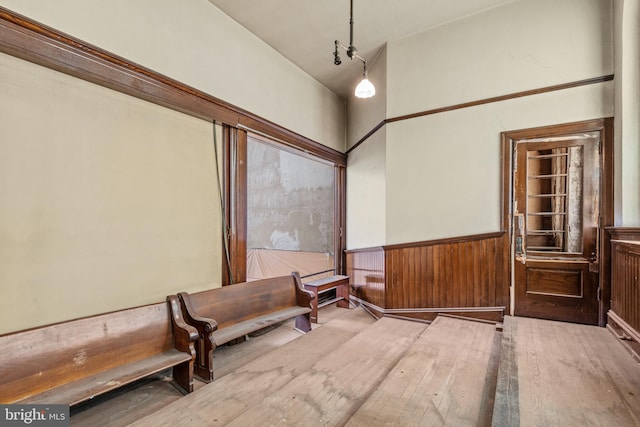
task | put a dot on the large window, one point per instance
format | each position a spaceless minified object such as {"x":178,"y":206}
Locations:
{"x":291,"y":213}
{"x":284,"y":206}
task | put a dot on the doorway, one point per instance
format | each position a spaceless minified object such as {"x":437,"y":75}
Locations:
{"x":556,"y":204}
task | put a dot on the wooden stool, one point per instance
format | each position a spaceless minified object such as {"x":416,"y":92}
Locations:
{"x":319,"y":286}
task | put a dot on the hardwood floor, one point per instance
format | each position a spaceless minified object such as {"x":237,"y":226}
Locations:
{"x":134,"y":402}
{"x":564,"y":374}
{"x":356,"y":371}
{"x":436,"y":383}
{"x":319,"y":379}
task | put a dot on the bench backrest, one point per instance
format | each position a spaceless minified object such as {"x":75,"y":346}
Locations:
{"x":235,"y":303}
{"x":39,"y":359}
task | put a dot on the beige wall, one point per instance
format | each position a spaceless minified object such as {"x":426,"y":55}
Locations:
{"x":627,"y":123}
{"x":449,"y":184}
{"x":442,"y":172}
{"x":520,"y":46}
{"x":106,"y":201}
{"x":195,"y":43}
{"x":366,"y":192}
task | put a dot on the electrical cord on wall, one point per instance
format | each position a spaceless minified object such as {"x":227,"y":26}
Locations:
{"x":225,"y":236}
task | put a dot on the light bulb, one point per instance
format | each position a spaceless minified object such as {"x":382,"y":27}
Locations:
{"x":365,"y":89}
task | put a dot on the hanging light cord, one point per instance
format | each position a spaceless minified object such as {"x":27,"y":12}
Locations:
{"x":225,"y":236}
{"x":365,"y":88}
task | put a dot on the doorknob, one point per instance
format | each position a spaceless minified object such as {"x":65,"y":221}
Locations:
{"x":594,"y":263}
{"x":520,"y":238}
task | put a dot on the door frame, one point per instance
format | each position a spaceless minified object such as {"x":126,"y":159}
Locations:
{"x":605,"y":127}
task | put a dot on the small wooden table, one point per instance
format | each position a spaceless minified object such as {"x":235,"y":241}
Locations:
{"x":319,"y":286}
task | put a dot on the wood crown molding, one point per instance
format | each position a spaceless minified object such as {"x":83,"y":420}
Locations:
{"x":448,"y":240}
{"x":499,"y":98}
{"x":624,"y":233}
{"x":34,"y":42}
{"x":359,"y":250}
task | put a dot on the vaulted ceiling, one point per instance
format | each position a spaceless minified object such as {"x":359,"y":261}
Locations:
{"x":304,"y":30}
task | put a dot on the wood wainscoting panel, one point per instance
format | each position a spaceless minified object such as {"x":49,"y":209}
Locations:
{"x":365,"y":268}
{"x":568,"y":282}
{"x":624,"y":316}
{"x":465,"y":276}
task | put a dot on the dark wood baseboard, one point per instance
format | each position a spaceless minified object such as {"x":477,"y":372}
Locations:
{"x":492,"y":315}
{"x":628,"y":336}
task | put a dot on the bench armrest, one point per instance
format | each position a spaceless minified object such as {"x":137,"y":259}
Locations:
{"x":303,"y":297}
{"x":184,"y":335}
{"x":204,"y":325}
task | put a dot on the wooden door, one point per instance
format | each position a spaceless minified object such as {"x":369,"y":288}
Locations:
{"x":556,"y":209}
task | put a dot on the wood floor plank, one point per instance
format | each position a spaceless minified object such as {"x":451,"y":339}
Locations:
{"x":223,"y":400}
{"x":438,"y":382}
{"x":229,"y":358}
{"x":506,"y":409}
{"x":330,"y":391}
{"x":574,"y":375}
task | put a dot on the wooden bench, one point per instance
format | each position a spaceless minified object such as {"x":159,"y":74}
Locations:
{"x":224,"y":314}
{"x":74,"y":361}
{"x":319,"y":286}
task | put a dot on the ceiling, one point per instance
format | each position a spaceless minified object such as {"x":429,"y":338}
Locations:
{"x":304,"y":30}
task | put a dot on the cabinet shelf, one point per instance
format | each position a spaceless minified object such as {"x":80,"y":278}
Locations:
{"x":546,"y":213}
{"x":543,"y":232}
{"x":544,"y":196}
{"x":555,"y":175}
{"x":547,"y":156}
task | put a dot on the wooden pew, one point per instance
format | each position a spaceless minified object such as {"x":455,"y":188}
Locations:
{"x":224,"y":314}
{"x":74,"y":361}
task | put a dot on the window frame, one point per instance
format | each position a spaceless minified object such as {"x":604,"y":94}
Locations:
{"x":235,"y":200}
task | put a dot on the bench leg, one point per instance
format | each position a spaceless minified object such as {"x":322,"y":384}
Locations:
{"x":342,"y":291}
{"x":314,"y":306}
{"x":183,"y":377}
{"x":303,"y":322}
{"x":203,"y":368}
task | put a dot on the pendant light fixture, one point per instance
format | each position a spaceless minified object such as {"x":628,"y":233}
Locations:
{"x":365,"y":88}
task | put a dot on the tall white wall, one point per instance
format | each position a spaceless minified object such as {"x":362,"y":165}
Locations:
{"x":366,"y":186}
{"x":627,"y":123}
{"x":106,"y":201}
{"x":197,"y":44}
{"x":366,"y":193}
{"x":442,"y":171}
{"x":522,"y":45}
